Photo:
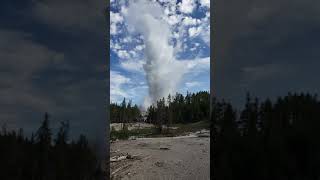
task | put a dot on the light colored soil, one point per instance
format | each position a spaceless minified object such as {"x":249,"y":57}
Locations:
{"x":178,"y":158}
{"x":131,"y":126}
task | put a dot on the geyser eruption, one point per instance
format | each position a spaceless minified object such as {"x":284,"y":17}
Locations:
{"x":163,"y":71}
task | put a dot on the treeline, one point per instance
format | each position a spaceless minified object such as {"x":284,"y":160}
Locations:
{"x":43,"y":157}
{"x":124,"y":112}
{"x":190,"y":108}
{"x":267,"y":140}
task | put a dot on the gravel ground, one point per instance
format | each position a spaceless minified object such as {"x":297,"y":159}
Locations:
{"x":182,"y":157}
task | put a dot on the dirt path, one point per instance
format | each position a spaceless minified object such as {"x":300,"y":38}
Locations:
{"x":184,"y":157}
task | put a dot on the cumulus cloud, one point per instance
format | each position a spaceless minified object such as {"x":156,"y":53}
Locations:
{"x":113,"y":29}
{"x":114,"y":45}
{"x":173,"y":19}
{"x":139,"y":47}
{"x":115,"y":17}
{"x":187,"y":6}
{"x":123,"y":54}
{"x":189,"y":21}
{"x":205,"y":34}
{"x":160,"y":34}
{"x":205,"y":3}
{"x":194,"y":31}
{"x":179,"y":24}
{"x":126,"y":39}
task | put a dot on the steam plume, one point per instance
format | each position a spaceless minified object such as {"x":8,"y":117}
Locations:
{"x":163,"y":71}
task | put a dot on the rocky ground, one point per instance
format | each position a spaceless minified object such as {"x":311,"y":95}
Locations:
{"x":182,"y":157}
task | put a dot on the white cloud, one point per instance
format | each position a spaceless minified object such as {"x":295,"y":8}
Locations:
{"x":133,"y":53}
{"x":192,"y":84}
{"x":194,"y":31}
{"x":123,"y":54}
{"x":116,"y":46}
{"x":185,"y":47}
{"x":208,"y":14}
{"x":176,"y":35}
{"x":139,"y":47}
{"x":173,"y":7}
{"x":132,"y":65}
{"x":115,"y":17}
{"x":205,"y":34}
{"x":164,"y":1}
{"x":173,"y":19}
{"x":113,"y":29}
{"x":187,"y":6}
{"x":193,"y":49}
{"x":117,"y":81}
{"x":164,"y":34}
{"x":189,"y":21}
{"x":205,"y":3}
{"x":127,"y":39}
{"x":199,"y":64}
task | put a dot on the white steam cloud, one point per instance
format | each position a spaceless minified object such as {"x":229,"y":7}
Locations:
{"x":163,"y":71}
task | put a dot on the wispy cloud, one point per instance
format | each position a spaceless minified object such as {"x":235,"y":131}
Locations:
{"x":192,"y":84}
{"x":132,"y":65}
{"x":117,"y":82}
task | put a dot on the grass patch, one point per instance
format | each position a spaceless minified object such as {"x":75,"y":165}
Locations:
{"x":192,"y":127}
{"x":125,"y":134}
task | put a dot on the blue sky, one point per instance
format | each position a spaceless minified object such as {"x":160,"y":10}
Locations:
{"x":188,"y":22}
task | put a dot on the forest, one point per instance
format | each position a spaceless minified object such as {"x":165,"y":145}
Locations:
{"x":44,"y":157}
{"x":176,"y":108}
{"x":124,"y":112}
{"x":267,"y":139}
{"x":192,"y":107}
